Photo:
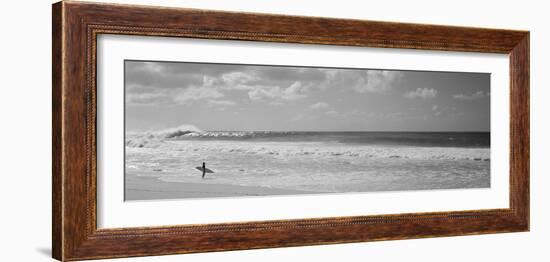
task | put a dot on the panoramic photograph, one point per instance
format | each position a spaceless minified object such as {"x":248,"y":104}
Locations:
{"x":208,"y":130}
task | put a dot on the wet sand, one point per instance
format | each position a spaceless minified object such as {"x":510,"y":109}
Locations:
{"x":150,"y":188}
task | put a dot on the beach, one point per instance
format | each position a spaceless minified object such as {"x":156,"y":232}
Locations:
{"x":246,"y":164}
{"x":149,"y":188}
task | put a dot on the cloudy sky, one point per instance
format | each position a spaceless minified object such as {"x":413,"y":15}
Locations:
{"x":281,"y":98}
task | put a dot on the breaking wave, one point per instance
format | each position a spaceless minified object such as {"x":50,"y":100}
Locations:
{"x":153,"y":139}
{"x":188,"y":139}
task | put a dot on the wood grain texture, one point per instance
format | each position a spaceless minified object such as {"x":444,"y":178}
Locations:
{"x":76,"y":27}
{"x":57,"y":191}
{"x":519,"y":129}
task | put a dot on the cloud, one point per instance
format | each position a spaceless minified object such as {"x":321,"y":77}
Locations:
{"x":318,"y":105}
{"x":474,"y":96}
{"x":138,"y":89}
{"x":424,"y":93}
{"x":263,"y":92}
{"x":145,"y":98}
{"x":150,"y":66}
{"x":377,"y":81}
{"x":158,"y":75}
{"x":353,"y":114}
{"x":222,"y":103}
{"x":296,"y":90}
{"x":171,"y":69}
{"x":291,"y":74}
{"x":196,"y":93}
{"x":362,"y":81}
{"x":437,"y":110}
{"x":234,"y":79}
{"x":183,"y":83}
{"x":361,"y":115}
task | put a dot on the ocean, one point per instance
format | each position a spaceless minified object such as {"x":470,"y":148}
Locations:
{"x":315,"y":162}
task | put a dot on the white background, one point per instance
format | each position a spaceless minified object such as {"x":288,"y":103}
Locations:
{"x":25,"y":191}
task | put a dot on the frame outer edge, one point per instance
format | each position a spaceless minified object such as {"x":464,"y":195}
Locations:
{"x":519,"y":153}
{"x":57,"y":141}
{"x":72,"y":155}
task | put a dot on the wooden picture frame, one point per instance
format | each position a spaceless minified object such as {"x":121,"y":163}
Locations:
{"x":75,"y":28}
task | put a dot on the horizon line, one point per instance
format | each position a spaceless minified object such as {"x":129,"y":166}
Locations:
{"x":324,"y":131}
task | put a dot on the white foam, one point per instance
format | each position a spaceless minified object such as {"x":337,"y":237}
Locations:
{"x":317,"y":149}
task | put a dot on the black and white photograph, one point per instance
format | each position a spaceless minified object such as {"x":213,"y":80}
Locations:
{"x":206,"y":130}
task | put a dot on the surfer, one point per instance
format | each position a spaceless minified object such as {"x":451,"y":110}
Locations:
{"x":203,"y":169}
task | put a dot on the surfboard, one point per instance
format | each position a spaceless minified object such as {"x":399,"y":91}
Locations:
{"x":207,"y":170}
